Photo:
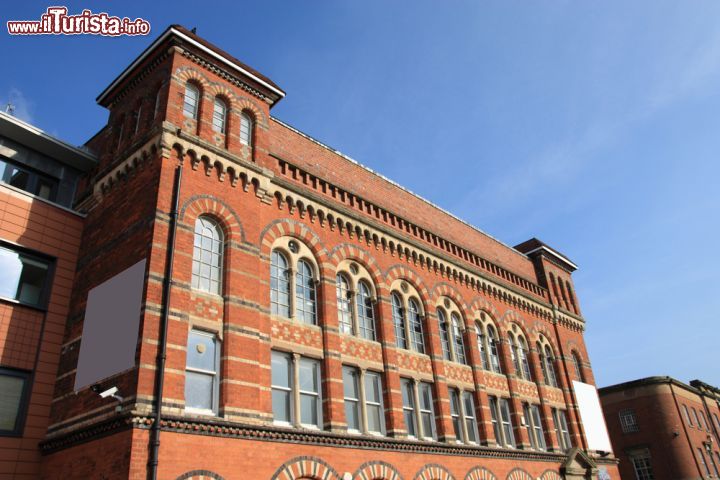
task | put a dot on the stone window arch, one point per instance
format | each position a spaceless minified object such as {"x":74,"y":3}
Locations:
{"x":408,"y":316}
{"x":294,"y":275}
{"x":487,"y":342}
{"x":356,"y":299}
{"x":519,"y":352}
{"x":452,"y":328}
{"x":547,"y":361}
{"x":207,"y":263}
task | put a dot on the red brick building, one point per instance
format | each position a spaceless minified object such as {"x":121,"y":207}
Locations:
{"x":301,"y":315}
{"x":39,"y":239}
{"x":664,"y":429}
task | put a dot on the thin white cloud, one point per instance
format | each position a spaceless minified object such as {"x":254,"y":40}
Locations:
{"x":22,"y":105}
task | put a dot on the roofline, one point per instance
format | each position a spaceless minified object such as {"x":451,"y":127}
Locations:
{"x":554,"y":253}
{"x":647,"y":381}
{"x":404,"y":189}
{"x":74,"y":156}
{"x":173,"y":31}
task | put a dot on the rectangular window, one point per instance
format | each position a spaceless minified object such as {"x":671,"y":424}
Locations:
{"x":495,"y":416}
{"x":529,"y":426}
{"x":714,"y":464}
{"x":29,"y":180}
{"x":561,"y":429}
{"x":628,"y":421}
{"x":15,"y":388}
{"x":296,"y":394}
{"x":373,"y":403}
{"x":687,"y":416}
{"x":469,"y":412}
{"x":506,"y":423}
{"x":701,"y":458}
{"x":282,"y":381}
{"x":642,"y":466}
{"x":351,"y":387}
{"x":201,"y":372}
{"x":537,"y":426}
{"x":23,"y":277}
{"x":427,"y":415}
{"x":455,"y":414}
{"x":309,"y":390}
{"x":408,"y":396}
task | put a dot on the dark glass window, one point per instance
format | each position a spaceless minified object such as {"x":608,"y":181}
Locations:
{"x":23,"y":277}
{"x":14,"y":385}
{"x":29,"y":180}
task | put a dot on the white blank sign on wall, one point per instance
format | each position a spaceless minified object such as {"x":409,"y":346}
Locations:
{"x":592,"y":417}
{"x":110,"y":330}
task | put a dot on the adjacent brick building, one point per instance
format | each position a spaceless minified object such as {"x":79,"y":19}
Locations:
{"x":322,"y":322}
{"x":39,"y":240}
{"x":664,"y":429}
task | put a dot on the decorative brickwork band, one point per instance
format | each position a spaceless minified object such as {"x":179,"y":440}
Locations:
{"x":434,"y":471}
{"x":200,"y":475}
{"x":305,"y":467}
{"x":519,"y":474}
{"x":377,"y":470}
{"x":480,"y":473}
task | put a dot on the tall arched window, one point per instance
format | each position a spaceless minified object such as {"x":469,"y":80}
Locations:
{"x":191,"y":101}
{"x":365,"y":311}
{"x":523,"y":353}
{"x":415,"y":324}
{"x":514,"y":354}
{"x":207,"y":256}
{"x":578,"y":368}
{"x":246,"y":128}
{"x":279,"y":285}
{"x":458,"y":344}
{"x":305,"y":293}
{"x":398,"y":321}
{"x":342,"y":288}
{"x":444,"y":334}
{"x":481,"y":345}
{"x":492,"y":337}
{"x":219,"y":115}
{"x":550,"y":366}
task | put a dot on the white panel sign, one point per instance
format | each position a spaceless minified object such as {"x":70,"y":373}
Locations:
{"x":592,"y":417}
{"x":110,"y":330}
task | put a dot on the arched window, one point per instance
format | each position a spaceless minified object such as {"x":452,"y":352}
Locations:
{"x":219,"y":115}
{"x":305,"y":293}
{"x":191,"y":101}
{"x":279,"y":285}
{"x":578,"y":368}
{"x":207,"y":256}
{"x":365,"y":311}
{"x":514,"y":354}
{"x":415,"y":324}
{"x":523,"y":359}
{"x":342,"y":288}
{"x":481,"y":345}
{"x":550,"y":366}
{"x":444,"y":334}
{"x":458,"y":344}
{"x":492,"y":337}
{"x":398,"y":320}
{"x":246,"y":128}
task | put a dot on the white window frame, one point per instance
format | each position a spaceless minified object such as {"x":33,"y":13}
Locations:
{"x":561,"y":429}
{"x":295,"y":360}
{"x":246,"y":129}
{"x":642,"y":465}
{"x":214,"y":374}
{"x":201,"y":224}
{"x":219,"y":120}
{"x":191,"y":101}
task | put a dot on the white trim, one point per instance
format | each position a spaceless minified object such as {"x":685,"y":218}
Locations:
{"x":173,"y":31}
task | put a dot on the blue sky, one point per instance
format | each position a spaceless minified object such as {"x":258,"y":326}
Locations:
{"x":593,"y":126}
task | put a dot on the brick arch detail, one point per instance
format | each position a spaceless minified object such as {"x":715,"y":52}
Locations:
{"x":400,"y":271}
{"x":540,"y":328}
{"x":480,"y":473}
{"x":288,"y":227}
{"x":349,"y":251}
{"x":433,"y":471}
{"x":441,"y":289}
{"x":305,"y":467}
{"x":550,"y":475}
{"x":377,"y":470}
{"x":518,"y":474}
{"x":481,"y":303}
{"x":246,"y":104}
{"x":200,"y":475}
{"x":185,"y":74}
{"x":222,"y":91}
{"x":210,"y":205}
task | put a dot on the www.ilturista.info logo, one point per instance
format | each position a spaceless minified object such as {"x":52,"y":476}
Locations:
{"x":56,"y":21}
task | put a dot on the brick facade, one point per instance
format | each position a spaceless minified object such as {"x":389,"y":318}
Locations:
{"x":663,"y":433}
{"x":342,"y":217}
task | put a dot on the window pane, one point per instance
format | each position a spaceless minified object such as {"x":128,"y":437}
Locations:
{"x":365,"y":312}
{"x":245,"y":129}
{"x":444,"y":335}
{"x":190,"y":103}
{"x":342,"y":291}
{"x":372,"y":388}
{"x":398,"y":321}
{"x":458,"y":342}
{"x":19,"y":178}
{"x":207,"y":255}
{"x":22,"y":278}
{"x":219,"y":110}
{"x":309,"y":377}
{"x":415,"y":322}
{"x":198,"y":390}
{"x":10,"y":401}
{"x":374,"y":418}
{"x":350,"y":382}
{"x":427,"y":421}
{"x":305,"y":293}
{"x":309,"y":409}
{"x":281,"y":405}
{"x":280,"y":370}
{"x":455,"y":414}
{"x":201,"y":351}
{"x":279,"y":285}
{"x":352,"y":415}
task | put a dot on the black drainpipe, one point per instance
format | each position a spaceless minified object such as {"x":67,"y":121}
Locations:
{"x":162,"y":352}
